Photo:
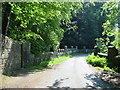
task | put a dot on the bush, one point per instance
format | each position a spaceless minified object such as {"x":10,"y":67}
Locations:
{"x":106,"y":68}
{"x":100,"y":63}
{"x":96,"y":60}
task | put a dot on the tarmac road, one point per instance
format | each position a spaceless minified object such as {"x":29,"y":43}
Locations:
{"x":73,"y":73}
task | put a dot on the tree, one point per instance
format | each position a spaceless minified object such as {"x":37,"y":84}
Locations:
{"x":89,"y":26}
{"x":110,"y":31}
{"x":39,"y":22}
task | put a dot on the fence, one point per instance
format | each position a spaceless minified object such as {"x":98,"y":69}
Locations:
{"x":10,"y":58}
{"x":65,"y":51}
{"x":112,"y":55}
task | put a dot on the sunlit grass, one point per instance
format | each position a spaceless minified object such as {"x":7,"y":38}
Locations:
{"x":53,"y":61}
{"x":105,"y":68}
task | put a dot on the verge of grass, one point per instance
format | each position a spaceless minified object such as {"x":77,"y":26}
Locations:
{"x":53,"y":61}
{"x":100,"y":63}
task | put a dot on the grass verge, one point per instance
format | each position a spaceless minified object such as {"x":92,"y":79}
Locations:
{"x":53,"y":61}
{"x":100,"y":63}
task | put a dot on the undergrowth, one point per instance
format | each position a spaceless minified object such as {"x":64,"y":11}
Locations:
{"x":100,"y":63}
{"x":52,"y":61}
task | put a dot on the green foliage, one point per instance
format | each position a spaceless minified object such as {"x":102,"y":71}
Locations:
{"x":40,"y":22}
{"x":117,"y":39}
{"x":105,"y":68}
{"x":100,"y":63}
{"x":101,"y":45}
{"x":112,"y":11}
{"x":52,"y":61}
{"x":96,"y":60}
{"x":89,"y":23}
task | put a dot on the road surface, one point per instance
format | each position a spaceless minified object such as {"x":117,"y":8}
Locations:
{"x":73,"y":73}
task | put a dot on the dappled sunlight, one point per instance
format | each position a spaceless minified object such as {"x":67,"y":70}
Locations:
{"x":57,"y":83}
{"x":95,"y":81}
{"x":51,"y":44}
{"x":74,"y":73}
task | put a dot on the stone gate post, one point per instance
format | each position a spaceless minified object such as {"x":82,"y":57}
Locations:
{"x":96,"y":50}
{"x":72,"y":49}
{"x":66,"y":49}
{"x":112,"y":52}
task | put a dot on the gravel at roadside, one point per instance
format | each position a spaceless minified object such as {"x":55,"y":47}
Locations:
{"x":113,"y":78}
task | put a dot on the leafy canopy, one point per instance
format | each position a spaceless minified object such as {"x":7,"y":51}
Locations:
{"x":40,"y":22}
{"x":110,"y":30}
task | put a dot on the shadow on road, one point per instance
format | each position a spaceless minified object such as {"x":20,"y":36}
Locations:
{"x":25,"y":72}
{"x":57,"y":83}
{"x":96,"y":82}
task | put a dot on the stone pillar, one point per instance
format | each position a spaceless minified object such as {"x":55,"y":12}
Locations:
{"x":112,"y":52}
{"x":25,"y":54}
{"x":84,"y":49}
{"x":76,"y":47}
{"x":55,"y":53}
{"x":65,"y":50}
{"x":72,"y":49}
{"x":12,"y":56}
{"x":96,"y":50}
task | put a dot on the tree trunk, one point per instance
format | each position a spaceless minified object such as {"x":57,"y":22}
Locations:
{"x":6,"y":12}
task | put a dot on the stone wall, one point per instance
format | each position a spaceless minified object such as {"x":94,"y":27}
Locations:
{"x":46,"y":56}
{"x":0,"y":53}
{"x":25,"y":54}
{"x":15,"y":56}
{"x":66,"y":51}
{"x":11,"y":56}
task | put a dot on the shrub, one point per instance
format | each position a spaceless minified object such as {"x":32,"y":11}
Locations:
{"x":100,"y":63}
{"x":106,"y":68}
{"x":96,"y":60}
